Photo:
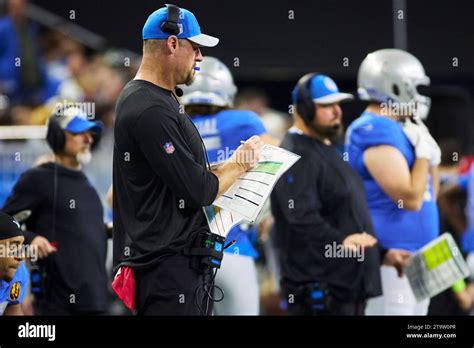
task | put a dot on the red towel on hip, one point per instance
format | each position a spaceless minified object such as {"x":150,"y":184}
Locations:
{"x":124,"y":286}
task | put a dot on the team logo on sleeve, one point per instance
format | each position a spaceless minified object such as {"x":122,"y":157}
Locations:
{"x":14,"y":293}
{"x":169,"y":148}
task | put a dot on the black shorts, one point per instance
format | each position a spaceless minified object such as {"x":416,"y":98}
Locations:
{"x":171,"y":288}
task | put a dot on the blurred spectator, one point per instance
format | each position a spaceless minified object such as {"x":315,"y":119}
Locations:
{"x":56,"y":47}
{"x":71,"y":88}
{"x":23,"y":76}
{"x":102,"y":83}
{"x":256,"y":100}
{"x":89,"y":80}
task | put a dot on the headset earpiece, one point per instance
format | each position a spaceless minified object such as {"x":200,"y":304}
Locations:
{"x":171,"y":26}
{"x":55,"y":135}
{"x":304,"y":103}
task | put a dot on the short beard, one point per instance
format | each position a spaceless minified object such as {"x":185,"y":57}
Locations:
{"x":189,"y":79}
{"x":327,"y":132}
{"x":84,"y":157}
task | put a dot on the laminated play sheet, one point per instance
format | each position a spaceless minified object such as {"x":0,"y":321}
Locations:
{"x":244,"y":200}
{"x":436,"y":267}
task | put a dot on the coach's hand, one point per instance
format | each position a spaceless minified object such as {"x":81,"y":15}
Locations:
{"x":359,"y":240}
{"x":44,"y":246}
{"x":248,"y":154}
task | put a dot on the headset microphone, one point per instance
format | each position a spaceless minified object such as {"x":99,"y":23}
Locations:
{"x":178,"y":91}
{"x":197,"y":68}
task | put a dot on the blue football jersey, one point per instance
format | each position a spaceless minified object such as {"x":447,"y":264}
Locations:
{"x":394,"y":227}
{"x":222,"y":133}
{"x":12,"y":292}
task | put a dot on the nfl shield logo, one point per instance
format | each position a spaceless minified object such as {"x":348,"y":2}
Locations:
{"x":169,"y":148}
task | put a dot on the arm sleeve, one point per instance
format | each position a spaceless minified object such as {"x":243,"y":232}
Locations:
{"x":21,"y":277}
{"x":297,"y":196}
{"x":23,"y":197}
{"x":179,"y":170}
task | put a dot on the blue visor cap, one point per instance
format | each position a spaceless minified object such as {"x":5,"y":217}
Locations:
{"x":324,"y":90}
{"x":188,"y":28}
{"x":75,"y":120}
{"x":79,"y":125}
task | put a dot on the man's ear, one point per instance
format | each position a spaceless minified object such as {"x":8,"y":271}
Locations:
{"x":172,"y":43}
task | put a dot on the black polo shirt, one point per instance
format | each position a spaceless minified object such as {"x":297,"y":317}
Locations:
{"x":317,"y":203}
{"x":161,"y":181}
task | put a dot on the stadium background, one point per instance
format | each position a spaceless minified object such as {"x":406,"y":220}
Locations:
{"x":274,"y":51}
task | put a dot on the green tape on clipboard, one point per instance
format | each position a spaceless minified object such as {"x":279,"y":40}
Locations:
{"x":436,"y":255}
{"x":267,"y":167}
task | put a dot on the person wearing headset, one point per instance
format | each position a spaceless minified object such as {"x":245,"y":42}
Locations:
{"x":209,"y":102}
{"x":397,"y":159}
{"x":66,"y":222}
{"x":162,"y":242}
{"x":318,"y":209}
{"x":328,"y":254}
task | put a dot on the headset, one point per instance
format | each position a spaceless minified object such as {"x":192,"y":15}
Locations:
{"x":55,"y":135}
{"x":171,"y":26}
{"x":304,"y":103}
{"x":57,"y":139}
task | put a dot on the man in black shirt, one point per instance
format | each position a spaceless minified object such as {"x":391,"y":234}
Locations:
{"x":323,"y":228}
{"x":66,"y":222}
{"x":161,"y":181}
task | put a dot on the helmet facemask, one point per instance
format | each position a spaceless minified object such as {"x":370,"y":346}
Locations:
{"x":391,"y":77}
{"x":418,"y":104}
